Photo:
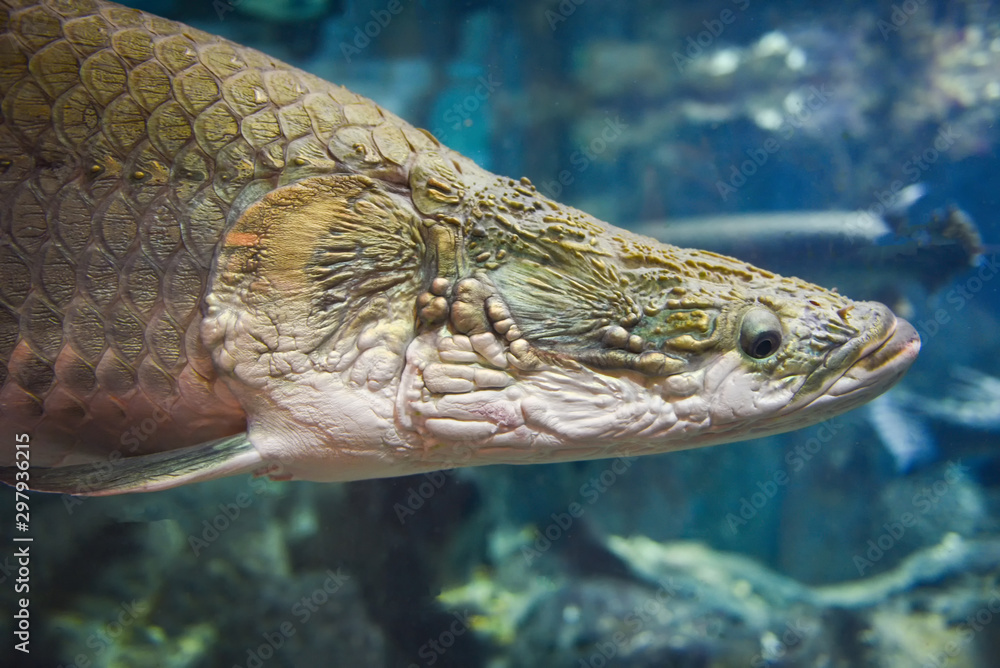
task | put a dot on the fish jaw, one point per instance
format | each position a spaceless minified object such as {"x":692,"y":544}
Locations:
{"x":570,"y":412}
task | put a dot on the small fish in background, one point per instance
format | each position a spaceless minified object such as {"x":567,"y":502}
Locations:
{"x":905,"y":199}
{"x":919,"y":241}
{"x":903,"y":433}
{"x":916,"y":219}
{"x":973,"y":402}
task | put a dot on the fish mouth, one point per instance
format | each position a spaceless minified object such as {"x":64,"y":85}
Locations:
{"x":879,"y":365}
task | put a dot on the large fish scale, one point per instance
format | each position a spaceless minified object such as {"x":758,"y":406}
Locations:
{"x":127,"y":144}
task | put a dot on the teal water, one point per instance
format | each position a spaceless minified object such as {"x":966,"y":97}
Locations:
{"x":870,"y":540}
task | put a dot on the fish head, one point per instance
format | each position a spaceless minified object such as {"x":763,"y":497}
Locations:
{"x":620,"y":344}
{"x":370,"y":332}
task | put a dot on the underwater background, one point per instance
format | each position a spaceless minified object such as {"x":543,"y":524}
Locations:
{"x":870,"y":540}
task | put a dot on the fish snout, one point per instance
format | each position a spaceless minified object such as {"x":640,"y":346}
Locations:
{"x":880,"y":355}
{"x":900,"y":347}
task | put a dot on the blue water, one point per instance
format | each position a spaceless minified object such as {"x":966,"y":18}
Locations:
{"x":638,"y":113}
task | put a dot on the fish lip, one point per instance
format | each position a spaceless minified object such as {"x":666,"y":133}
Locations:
{"x":904,"y":340}
{"x":881,"y":366}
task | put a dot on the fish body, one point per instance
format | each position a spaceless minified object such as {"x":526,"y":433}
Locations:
{"x":214,"y":263}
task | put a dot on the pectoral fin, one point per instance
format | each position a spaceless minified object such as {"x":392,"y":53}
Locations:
{"x":147,"y":473}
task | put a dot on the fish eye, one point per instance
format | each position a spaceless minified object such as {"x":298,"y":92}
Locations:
{"x":760,"y":333}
